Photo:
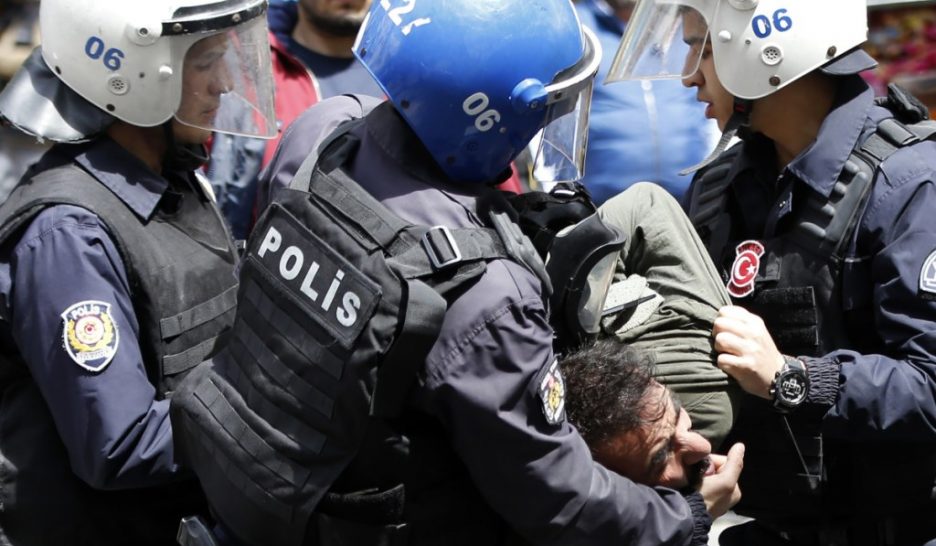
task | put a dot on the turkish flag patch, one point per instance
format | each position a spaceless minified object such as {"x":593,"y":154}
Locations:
{"x":744,"y":269}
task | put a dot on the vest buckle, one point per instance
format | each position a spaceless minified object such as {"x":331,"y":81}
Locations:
{"x":440,"y":247}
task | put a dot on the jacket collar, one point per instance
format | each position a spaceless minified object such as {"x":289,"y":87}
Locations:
{"x":398,"y":141}
{"x":122,"y":173}
{"x":820,"y":164}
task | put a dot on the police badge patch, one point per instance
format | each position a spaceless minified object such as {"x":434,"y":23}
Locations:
{"x":928,"y":275}
{"x":90,"y":334}
{"x":552,"y":393}
{"x":744,"y":269}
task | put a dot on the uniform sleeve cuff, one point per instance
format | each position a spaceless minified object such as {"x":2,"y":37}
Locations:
{"x":823,"y":381}
{"x":701,"y":520}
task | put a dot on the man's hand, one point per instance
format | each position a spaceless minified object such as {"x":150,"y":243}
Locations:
{"x":746,"y":351}
{"x":720,"y":488}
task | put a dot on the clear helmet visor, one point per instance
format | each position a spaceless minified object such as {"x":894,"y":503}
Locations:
{"x":561,"y":153}
{"x":663,"y":40}
{"x":227,"y":83}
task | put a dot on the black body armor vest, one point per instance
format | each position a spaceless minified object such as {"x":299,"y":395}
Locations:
{"x":299,"y":430}
{"x":180,"y":265}
{"x":792,"y":474}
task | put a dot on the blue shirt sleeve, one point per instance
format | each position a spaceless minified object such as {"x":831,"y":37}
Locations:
{"x":116,"y":433}
{"x":890,"y":396}
{"x":539,"y":477}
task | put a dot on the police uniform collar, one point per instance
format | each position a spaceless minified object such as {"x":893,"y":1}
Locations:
{"x":755,"y":149}
{"x":124,"y":174}
{"x":820,"y":165}
{"x":399,"y":142}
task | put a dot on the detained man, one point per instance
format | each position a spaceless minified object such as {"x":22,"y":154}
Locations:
{"x":634,"y":425}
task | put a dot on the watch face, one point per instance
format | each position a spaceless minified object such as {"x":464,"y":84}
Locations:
{"x":792,"y":388}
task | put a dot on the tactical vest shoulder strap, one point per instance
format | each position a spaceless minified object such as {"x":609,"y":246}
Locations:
{"x":433,"y":260}
{"x":70,"y":185}
{"x":830,"y":222}
{"x":709,"y":199}
{"x":440,"y":248}
{"x":439,"y":258}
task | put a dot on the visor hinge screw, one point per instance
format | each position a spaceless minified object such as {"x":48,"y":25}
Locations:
{"x":177,"y":27}
{"x":831,"y":52}
{"x":774,"y":81}
{"x":236,"y":18}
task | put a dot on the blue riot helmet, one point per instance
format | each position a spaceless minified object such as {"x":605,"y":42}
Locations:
{"x":477,"y":80}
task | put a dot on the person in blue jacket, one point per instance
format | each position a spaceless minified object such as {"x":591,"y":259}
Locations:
{"x":821,"y":223}
{"x":638,"y":131}
{"x":488,"y":455}
{"x":116,"y":269}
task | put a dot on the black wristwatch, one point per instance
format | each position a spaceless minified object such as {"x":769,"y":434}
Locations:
{"x":790,"y":385}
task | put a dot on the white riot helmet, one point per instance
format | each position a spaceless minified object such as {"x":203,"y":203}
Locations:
{"x":759,"y":46}
{"x":204,"y":62}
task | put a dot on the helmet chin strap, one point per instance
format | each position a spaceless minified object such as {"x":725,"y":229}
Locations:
{"x":740,"y":118}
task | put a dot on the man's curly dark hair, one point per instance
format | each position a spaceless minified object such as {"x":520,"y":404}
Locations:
{"x":606,"y":390}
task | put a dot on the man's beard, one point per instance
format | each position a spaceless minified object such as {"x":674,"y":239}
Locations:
{"x":339,"y":25}
{"x":695,"y":473}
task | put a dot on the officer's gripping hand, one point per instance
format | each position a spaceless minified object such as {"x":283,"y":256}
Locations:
{"x":720,"y":488}
{"x":746,"y":351}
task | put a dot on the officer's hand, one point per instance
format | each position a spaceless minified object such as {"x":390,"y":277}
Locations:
{"x":720,"y":488}
{"x":746,"y":350}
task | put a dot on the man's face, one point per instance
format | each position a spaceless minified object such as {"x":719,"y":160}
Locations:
{"x":335,"y":17}
{"x":720,"y":103}
{"x":664,"y":451}
{"x":205,"y":77}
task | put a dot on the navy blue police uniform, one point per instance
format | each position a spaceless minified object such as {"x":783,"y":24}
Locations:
{"x":840,"y":262}
{"x":114,"y":281}
{"x":487,"y":450}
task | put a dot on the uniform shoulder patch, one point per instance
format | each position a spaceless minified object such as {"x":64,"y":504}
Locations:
{"x":928,"y":274}
{"x":90,"y":335}
{"x":552,"y":390}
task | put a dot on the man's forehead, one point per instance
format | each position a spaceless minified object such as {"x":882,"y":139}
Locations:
{"x":218,"y":41}
{"x":660,"y":408}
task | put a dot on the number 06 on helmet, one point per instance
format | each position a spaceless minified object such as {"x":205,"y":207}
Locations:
{"x":476,"y":80}
{"x":206,"y":63}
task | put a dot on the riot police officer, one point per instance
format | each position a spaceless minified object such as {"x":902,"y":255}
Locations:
{"x":481,"y":449}
{"x":820,"y":220}
{"x":116,"y":270}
